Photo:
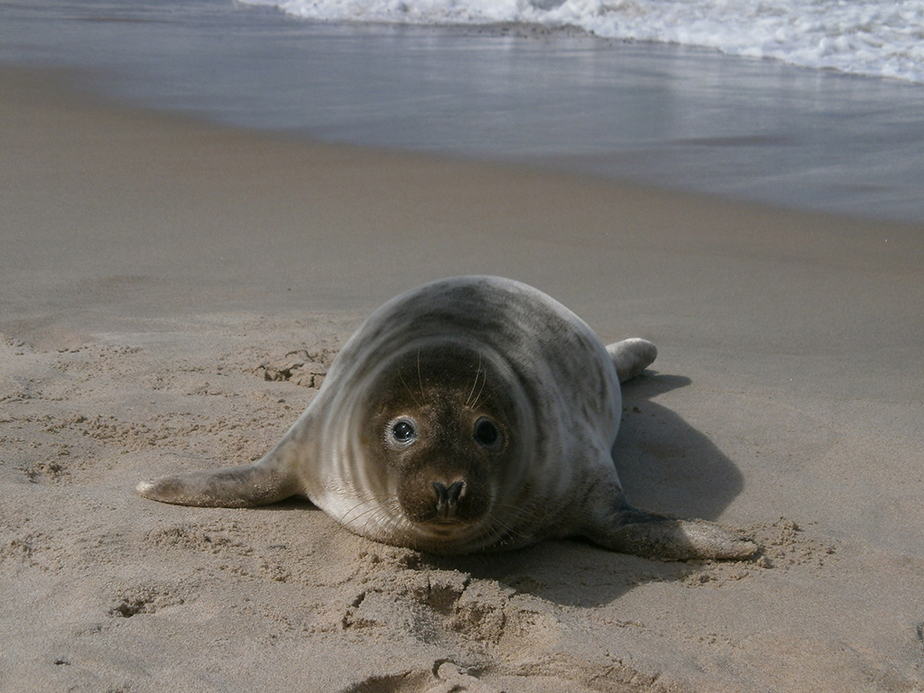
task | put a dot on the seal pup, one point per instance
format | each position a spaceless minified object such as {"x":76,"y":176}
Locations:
{"x":468,"y":414}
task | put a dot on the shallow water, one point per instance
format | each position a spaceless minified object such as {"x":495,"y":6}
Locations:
{"x":866,"y":37}
{"x":676,"y":117}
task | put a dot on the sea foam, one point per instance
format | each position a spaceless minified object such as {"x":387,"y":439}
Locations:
{"x":882,"y":38}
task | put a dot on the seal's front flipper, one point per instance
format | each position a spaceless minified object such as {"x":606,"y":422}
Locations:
{"x":230,"y":487}
{"x":628,"y":530}
{"x":632,"y":356}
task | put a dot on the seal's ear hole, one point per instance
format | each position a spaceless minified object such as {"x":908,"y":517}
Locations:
{"x":402,"y":431}
{"x":487,"y":434}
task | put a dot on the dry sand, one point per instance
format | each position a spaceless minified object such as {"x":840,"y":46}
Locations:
{"x":152,"y":268}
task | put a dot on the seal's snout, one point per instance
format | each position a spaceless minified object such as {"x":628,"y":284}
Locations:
{"x":431,"y":496}
{"x":447,"y":498}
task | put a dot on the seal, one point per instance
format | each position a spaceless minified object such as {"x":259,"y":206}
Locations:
{"x":469,"y":414}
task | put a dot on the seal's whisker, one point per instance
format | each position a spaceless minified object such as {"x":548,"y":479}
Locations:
{"x":471,"y":395}
{"x":376,"y":516}
{"x":407,"y":387}
{"x":346,"y":519}
{"x":500,"y":533}
{"x":370,"y":505}
{"x":527,"y":518}
{"x":419,"y":377}
{"x":477,"y":401}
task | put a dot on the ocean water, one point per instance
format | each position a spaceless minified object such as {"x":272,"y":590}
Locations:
{"x":869,"y":37}
{"x":677,"y":116}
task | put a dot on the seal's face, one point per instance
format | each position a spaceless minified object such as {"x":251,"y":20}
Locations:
{"x":445,"y":437}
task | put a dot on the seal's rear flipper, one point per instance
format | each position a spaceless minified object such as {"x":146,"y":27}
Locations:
{"x":628,"y":530}
{"x":229,"y":487}
{"x":632,"y":356}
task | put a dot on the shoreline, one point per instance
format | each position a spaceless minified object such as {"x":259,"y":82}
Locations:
{"x":154,"y":264}
{"x":665,"y":115}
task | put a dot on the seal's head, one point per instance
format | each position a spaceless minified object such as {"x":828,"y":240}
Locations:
{"x":446,"y":434}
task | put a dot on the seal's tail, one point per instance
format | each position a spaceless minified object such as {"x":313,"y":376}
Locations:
{"x":632,"y":356}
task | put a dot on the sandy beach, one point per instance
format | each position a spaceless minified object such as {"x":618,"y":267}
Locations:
{"x":156,"y":269}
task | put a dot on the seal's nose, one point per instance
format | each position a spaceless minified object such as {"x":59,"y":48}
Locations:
{"x":447,"y":498}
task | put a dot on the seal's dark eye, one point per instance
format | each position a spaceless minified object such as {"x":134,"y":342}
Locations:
{"x":403,"y":431}
{"x":486,"y":433}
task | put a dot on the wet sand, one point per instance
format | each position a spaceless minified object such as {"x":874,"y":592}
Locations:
{"x":153,"y":267}
{"x":672,"y":116}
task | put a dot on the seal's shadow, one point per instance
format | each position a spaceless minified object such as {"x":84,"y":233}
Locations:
{"x":665,"y":465}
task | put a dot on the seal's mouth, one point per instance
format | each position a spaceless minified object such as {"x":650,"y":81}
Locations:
{"x":444,"y":525}
{"x":449,"y":509}
{"x":444,"y":529}
{"x":446,"y":537}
